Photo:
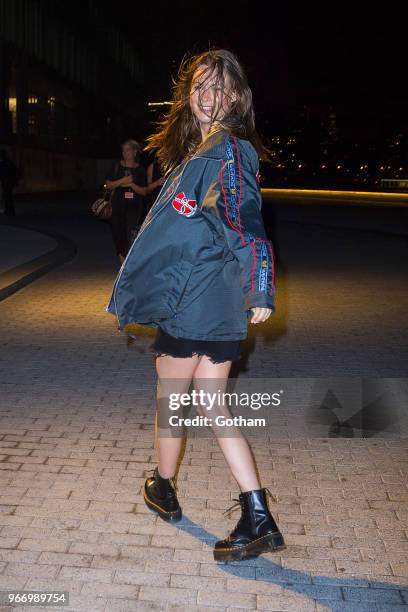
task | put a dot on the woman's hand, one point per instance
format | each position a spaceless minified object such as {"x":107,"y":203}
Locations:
{"x":124,"y":181}
{"x":143,"y":191}
{"x":260,"y":314}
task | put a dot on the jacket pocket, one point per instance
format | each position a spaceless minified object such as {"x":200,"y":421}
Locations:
{"x":178,"y":278}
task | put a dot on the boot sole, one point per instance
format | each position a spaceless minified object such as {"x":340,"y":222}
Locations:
{"x":271,"y":542}
{"x":170,"y":517}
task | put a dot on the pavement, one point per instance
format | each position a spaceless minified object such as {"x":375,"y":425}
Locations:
{"x":19,"y":245}
{"x":28,"y":253}
{"x":76,"y":435}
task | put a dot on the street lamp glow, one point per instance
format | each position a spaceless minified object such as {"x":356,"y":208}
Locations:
{"x":159,"y":103}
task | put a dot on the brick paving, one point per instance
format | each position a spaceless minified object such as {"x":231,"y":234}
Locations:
{"x":76,"y":439}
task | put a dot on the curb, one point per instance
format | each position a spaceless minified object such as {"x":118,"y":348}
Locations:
{"x":20,"y":276}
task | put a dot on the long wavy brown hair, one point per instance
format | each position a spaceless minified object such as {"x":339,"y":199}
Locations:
{"x":178,"y":134}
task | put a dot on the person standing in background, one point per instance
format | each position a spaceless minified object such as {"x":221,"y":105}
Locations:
{"x":128,"y":179}
{"x":129,"y":205}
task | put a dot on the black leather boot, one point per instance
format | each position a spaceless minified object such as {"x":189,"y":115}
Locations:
{"x":256,"y":531}
{"x":160,"y":496}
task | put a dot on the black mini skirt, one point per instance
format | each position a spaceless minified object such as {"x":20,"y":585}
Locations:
{"x":218,"y":351}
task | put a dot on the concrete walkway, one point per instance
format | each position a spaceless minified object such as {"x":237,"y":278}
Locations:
{"x":76,"y":437}
{"x":28,"y":253}
{"x":18,"y":245}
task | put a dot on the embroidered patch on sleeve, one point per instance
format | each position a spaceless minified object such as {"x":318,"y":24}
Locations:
{"x":183,"y":205}
{"x":232,"y":184}
{"x":263,"y":269}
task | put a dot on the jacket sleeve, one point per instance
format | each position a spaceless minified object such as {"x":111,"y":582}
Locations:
{"x":239,"y":208}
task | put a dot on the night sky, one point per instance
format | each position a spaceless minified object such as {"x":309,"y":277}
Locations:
{"x":306,"y":54}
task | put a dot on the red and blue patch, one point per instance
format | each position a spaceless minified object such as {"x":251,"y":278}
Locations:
{"x":183,"y":205}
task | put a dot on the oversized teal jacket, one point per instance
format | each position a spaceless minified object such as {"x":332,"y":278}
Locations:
{"x":202,"y":258}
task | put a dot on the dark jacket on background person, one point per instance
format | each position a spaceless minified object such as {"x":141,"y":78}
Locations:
{"x":202,"y":258}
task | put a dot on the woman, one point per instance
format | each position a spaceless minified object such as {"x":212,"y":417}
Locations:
{"x":199,"y":268}
{"x":128,"y":179}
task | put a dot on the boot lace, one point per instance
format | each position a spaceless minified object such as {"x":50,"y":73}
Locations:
{"x":231,"y":508}
{"x":238,"y":503}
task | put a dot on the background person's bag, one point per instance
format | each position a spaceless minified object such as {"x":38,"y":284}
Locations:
{"x":102,"y":207}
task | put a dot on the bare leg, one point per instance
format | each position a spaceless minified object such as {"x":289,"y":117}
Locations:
{"x":174,"y":376}
{"x":235,"y":448}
